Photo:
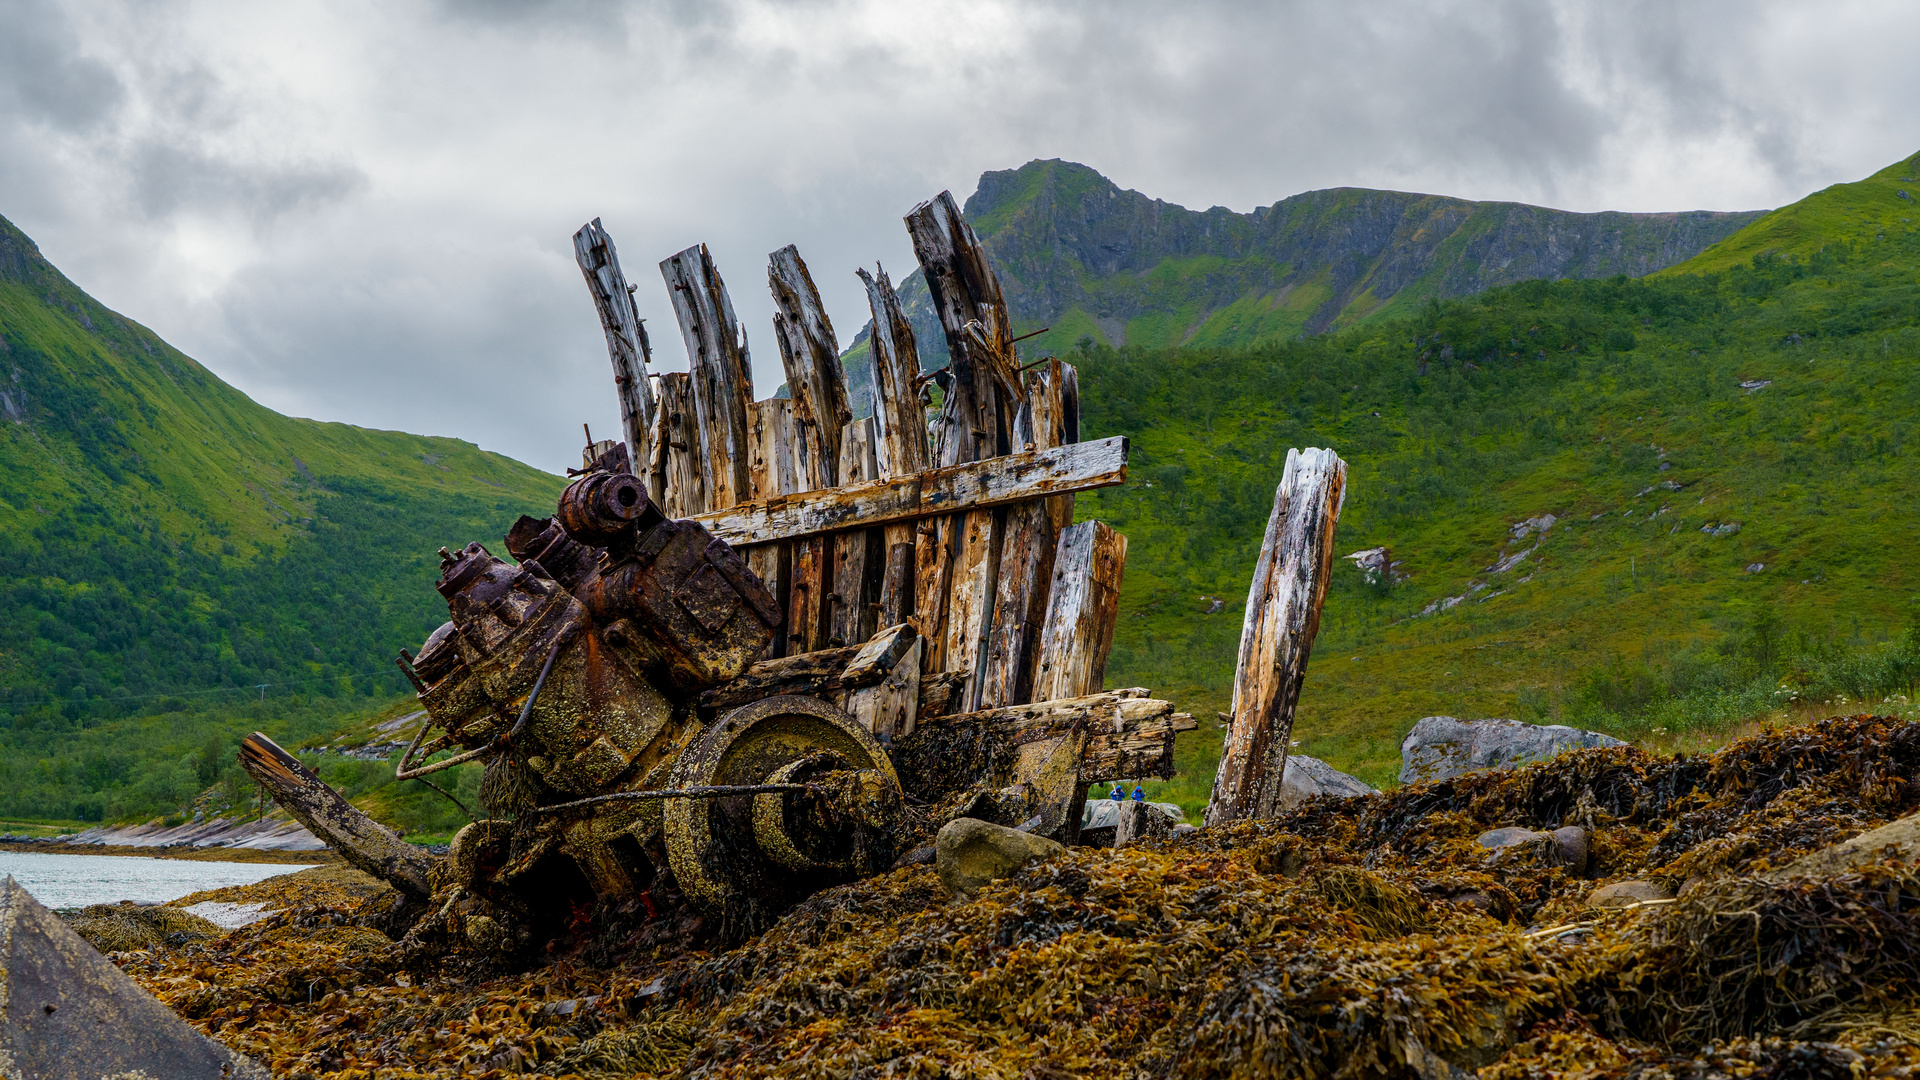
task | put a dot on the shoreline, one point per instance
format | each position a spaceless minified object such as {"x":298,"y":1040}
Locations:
{"x":180,"y":852}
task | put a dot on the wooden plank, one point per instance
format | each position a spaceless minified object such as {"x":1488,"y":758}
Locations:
{"x":972,"y":486}
{"x":1082,"y":604}
{"x":773,"y":471}
{"x":808,"y":582}
{"x":890,"y":708}
{"x":896,"y":588}
{"x":970,"y":600}
{"x":676,"y":446}
{"x":363,"y":842}
{"x":627,"y":344}
{"x":854,"y":603}
{"x":820,"y":673}
{"x":1276,"y":637}
{"x":1026,"y":554}
{"x":721,"y":374}
{"x":811,"y":356}
{"x":899,"y":417}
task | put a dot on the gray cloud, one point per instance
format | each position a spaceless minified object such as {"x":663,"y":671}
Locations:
{"x":361,"y":212}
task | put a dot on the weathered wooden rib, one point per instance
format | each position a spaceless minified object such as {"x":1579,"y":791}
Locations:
{"x":675,"y":443}
{"x":890,"y":708}
{"x":627,"y":344}
{"x":773,"y":471}
{"x":973,"y":313}
{"x":362,"y":841}
{"x":854,"y":604}
{"x":810,"y":354}
{"x":899,"y":417}
{"x":972,"y":486}
{"x":1026,"y":555}
{"x":820,"y":673}
{"x":721,"y":374}
{"x":1283,"y":615}
{"x":1082,"y":605}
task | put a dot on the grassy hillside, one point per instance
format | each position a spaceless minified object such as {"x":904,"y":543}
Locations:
{"x":1730,"y":457}
{"x":170,"y":545}
{"x":1882,"y":204}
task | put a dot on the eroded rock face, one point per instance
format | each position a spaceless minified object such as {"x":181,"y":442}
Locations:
{"x":1443,"y":746}
{"x":969,"y":853}
{"x":1307,"y":777}
{"x":66,"y":1013}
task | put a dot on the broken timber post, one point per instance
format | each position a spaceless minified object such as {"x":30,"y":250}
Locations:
{"x":900,"y":446}
{"x":721,"y":377}
{"x":362,"y":841}
{"x":626,"y":341}
{"x":1283,"y":615}
{"x":810,"y":354}
{"x":1082,"y":603}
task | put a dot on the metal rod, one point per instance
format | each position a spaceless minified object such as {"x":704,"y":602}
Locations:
{"x":1035,"y":333}
{"x":718,"y":791}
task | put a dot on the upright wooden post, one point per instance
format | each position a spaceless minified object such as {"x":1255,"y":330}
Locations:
{"x":900,"y":440}
{"x":810,"y":354}
{"x":1283,"y":615}
{"x":1082,"y":602}
{"x":626,"y":340}
{"x":721,"y":377}
{"x":675,"y":466}
{"x":1026,"y":550}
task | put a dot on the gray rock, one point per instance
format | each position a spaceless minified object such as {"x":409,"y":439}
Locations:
{"x":68,"y":1013}
{"x":1562,"y":847}
{"x":1105,"y":813}
{"x":1442,"y":746}
{"x":1307,"y":777}
{"x":969,"y":853}
{"x":1622,"y":893}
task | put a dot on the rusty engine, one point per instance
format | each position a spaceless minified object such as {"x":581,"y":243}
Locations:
{"x":574,"y":673}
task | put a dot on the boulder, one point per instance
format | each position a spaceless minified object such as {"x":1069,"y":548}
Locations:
{"x":1442,"y":746}
{"x":1105,"y":813}
{"x":968,"y":853}
{"x":67,"y":1013}
{"x":1623,"y":893}
{"x":1562,"y":847}
{"x":1307,"y":777}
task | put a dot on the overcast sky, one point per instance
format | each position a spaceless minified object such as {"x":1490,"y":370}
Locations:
{"x":363,"y":211}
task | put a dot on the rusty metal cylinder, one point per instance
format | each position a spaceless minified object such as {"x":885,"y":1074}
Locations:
{"x":601,"y":506}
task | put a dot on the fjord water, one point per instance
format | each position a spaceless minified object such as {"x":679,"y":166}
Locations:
{"x":70,"y":881}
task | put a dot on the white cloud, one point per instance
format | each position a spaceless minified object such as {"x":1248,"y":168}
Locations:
{"x":362,"y":211}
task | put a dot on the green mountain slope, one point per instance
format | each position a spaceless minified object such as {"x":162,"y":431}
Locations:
{"x":1729,"y":456}
{"x":166,"y":539}
{"x":1078,"y":254}
{"x":1864,"y":210}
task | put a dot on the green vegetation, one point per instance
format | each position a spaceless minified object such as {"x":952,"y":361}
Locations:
{"x":179,"y":559}
{"x":1729,"y":456}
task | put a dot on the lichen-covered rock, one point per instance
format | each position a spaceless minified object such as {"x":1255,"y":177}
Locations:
{"x":1622,"y":893}
{"x":66,"y":1013}
{"x":1566,"y":847}
{"x":124,"y":927}
{"x":1443,"y":746}
{"x":1307,"y":777}
{"x":969,"y":852}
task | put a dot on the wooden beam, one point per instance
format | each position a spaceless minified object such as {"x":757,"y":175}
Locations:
{"x":627,"y":344}
{"x":363,"y":842}
{"x":1283,"y":615}
{"x":773,"y":470}
{"x":976,"y":485}
{"x":676,"y":441}
{"x":973,"y":313}
{"x":898,"y":415}
{"x":854,"y":602}
{"x":890,"y":708}
{"x":1129,"y":735}
{"x":1026,"y":553}
{"x":819,"y":673}
{"x":810,"y":354}
{"x":721,"y":374}
{"x":1082,"y":605}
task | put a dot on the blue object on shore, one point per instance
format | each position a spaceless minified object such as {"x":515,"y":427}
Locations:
{"x":1119,"y":795}
{"x":1139,"y":793}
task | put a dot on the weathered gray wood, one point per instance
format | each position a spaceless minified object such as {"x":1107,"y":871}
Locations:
{"x":721,"y":374}
{"x":773,"y":470}
{"x":890,"y":708}
{"x":811,"y":356}
{"x":627,"y":344}
{"x":972,"y":486}
{"x":896,"y":589}
{"x":899,"y":416}
{"x":1026,"y":554}
{"x":1283,"y":615}
{"x":820,"y":673}
{"x":932,"y":582}
{"x":1082,"y":604}
{"x":595,"y":450}
{"x":676,"y":446}
{"x":1129,"y":734}
{"x":808,"y":582}
{"x":879,"y":655}
{"x":975,"y":571}
{"x":362,"y":841}
{"x":973,"y":314}
{"x":854,"y":603}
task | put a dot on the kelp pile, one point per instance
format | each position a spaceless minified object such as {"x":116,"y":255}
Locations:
{"x":1356,"y":938}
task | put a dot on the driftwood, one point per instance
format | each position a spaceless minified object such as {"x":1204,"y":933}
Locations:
{"x":975,"y":485}
{"x":1082,"y":606}
{"x":362,"y":841}
{"x":627,"y":342}
{"x":721,"y":375}
{"x":1283,"y":615}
